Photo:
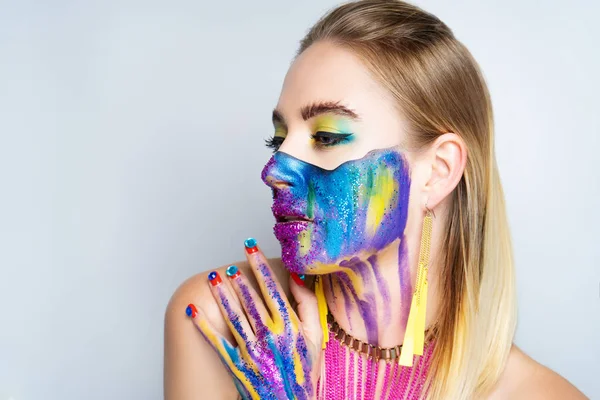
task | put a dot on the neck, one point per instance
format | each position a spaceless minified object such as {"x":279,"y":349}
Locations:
{"x":370,"y":298}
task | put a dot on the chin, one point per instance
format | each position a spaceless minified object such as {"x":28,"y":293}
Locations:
{"x":292,"y":258}
{"x":306,"y":259}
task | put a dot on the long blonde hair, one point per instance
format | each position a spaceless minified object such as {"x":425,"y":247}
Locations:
{"x":439,"y":88}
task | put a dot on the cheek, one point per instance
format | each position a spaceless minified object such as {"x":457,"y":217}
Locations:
{"x":381,"y":197}
{"x":380,"y":191}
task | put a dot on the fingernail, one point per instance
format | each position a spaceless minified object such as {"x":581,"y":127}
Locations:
{"x":191,"y":311}
{"x":299,"y":279}
{"x":250,"y":244}
{"x":233,"y":272}
{"x":214,"y":278}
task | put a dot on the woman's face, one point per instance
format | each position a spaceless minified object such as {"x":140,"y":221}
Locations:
{"x":340,"y":180}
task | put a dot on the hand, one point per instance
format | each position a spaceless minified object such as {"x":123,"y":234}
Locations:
{"x":278,"y":353}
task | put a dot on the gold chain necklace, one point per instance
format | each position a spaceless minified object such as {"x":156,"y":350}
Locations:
{"x":389,"y":354}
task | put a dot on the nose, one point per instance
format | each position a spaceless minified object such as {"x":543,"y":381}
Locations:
{"x":275,"y":184}
{"x":283,"y":171}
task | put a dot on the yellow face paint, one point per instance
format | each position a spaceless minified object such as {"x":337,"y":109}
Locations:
{"x":382,"y":196}
{"x":304,"y":242}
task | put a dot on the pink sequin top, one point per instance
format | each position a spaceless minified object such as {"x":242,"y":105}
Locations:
{"x":350,"y":375}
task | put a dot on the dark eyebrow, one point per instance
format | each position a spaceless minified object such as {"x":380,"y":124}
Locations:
{"x":333,"y":107}
{"x":278,"y":118}
{"x":314,"y":109}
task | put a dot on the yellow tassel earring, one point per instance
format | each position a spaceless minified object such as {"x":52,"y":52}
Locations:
{"x":415,"y":328}
{"x":322,"y":306}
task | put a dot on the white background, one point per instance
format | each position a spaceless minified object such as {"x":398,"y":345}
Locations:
{"x":130,"y":153}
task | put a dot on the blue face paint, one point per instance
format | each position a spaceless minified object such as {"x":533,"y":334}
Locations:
{"x":327,"y":216}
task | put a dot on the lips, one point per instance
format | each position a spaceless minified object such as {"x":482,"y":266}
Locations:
{"x":291,"y":218}
{"x":287,"y":232}
{"x":289,"y":212}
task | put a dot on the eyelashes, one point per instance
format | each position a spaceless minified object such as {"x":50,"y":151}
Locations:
{"x":329,"y":138}
{"x":274,"y":142}
{"x":322,"y":139}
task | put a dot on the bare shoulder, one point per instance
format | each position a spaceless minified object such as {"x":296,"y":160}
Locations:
{"x":525,"y":378}
{"x":190,"y":364}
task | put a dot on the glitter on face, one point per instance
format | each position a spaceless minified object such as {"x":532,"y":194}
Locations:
{"x":337,"y":221}
{"x":359,"y":207}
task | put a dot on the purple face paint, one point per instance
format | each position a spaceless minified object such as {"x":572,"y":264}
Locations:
{"x":382,"y":286}
{"x":347,"y":304}
{"x":366,"y":306}
{"x":371,"y":284}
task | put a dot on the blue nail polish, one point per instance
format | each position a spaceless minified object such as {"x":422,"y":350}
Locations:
{"x":250,"y":242}
{"x":188,"y":311}
{"x":231,"y":270}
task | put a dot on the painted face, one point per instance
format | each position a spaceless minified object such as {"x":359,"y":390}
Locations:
{"x":325,"y":218}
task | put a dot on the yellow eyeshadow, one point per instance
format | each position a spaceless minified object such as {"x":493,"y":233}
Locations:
{"x":331,"y":124}
{"x":333,"y":129}
{"x":279,"y":132}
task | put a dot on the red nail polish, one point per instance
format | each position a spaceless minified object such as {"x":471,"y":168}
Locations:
{"x":191,"y":311}
{"x":297,"y":279}
{"x":214,"y":278}
{"x":251,"y":250}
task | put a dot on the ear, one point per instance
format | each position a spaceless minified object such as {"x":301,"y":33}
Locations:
{"x":448,"y":157}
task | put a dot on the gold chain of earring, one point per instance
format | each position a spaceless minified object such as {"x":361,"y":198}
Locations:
{"x":424,"y":252}
{"x":414,"y":336}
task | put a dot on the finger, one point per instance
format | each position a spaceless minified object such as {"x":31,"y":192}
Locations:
{"x":229,"y":354}
{"x":251,"y":302}
{"x":274,"y":295}
{"x":231,"y":310}
{"x":307,"y":309}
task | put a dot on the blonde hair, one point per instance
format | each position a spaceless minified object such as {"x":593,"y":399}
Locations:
{"x":439,"y":88}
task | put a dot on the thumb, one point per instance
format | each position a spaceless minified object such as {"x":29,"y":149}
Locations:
{"x":307,"y":309}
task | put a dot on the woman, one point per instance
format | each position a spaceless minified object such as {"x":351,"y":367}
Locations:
{"x":396,"y":278}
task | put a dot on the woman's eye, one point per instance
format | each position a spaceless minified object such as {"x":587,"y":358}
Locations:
{"x":326,"y":139}
{"x":321,"y":138}
{"x":274,"y":142}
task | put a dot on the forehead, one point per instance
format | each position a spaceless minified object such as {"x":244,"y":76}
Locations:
{"x":327,"y":72}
